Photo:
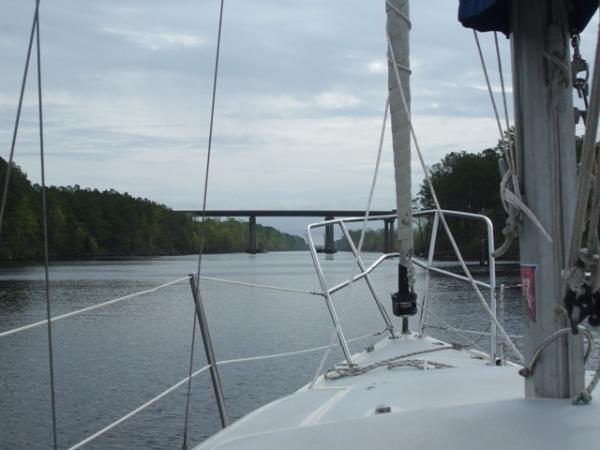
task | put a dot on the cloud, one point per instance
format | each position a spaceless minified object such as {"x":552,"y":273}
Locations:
{"x":337,"y":100}
{"x":157,"y":40}
{"x":377,"y":66}
{"x":300,"y":97}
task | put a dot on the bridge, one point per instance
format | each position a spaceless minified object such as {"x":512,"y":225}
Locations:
{"x":326,"y":214}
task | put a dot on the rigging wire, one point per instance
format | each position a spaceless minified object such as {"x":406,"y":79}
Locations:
{"x":90,"y":308}
{"x":45,"y":226}
{"x":150,"y":291}
{"x":35,"y":32}
{"x":18,"y":118}
{"x":504,"y":97}
{"x":263,"y":286}
{"x":196,"y":373}
{"x":202,"y":220}
{"x":358,"y":248}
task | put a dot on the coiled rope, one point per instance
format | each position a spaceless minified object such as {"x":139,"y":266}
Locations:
{"x":396,"y":361}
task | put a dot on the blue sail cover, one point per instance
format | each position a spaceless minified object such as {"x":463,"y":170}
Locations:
{"x":494,"y":15}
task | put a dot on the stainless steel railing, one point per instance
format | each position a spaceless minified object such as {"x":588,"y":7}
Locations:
{"x":428,"y":265}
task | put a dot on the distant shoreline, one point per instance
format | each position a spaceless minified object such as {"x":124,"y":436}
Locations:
{"x":28,"y":262}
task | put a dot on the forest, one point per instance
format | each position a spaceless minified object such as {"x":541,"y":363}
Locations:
{"x":463,"y":182}
{"x":88,"y":223}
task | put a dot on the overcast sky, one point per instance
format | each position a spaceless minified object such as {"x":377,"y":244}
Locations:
{"x":300,"y":99}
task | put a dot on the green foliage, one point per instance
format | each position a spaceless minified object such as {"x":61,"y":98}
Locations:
{"x":467,"y":182}
{"x":86,"y":223}
{"x":373,"y":241}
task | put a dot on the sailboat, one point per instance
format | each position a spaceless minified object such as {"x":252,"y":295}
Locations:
{"x":413,"y":391}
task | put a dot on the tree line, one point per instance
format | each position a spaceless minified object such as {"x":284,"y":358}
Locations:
{"x":468,"y":182}
{"x":88,"y":223}
{"x":463,"y":182}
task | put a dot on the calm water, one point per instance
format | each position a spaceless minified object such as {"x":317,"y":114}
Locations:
{"x":111,"y":360}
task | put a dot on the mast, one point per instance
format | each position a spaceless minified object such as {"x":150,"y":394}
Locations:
{"x":545,"y":145}
{"x":398,"y":27}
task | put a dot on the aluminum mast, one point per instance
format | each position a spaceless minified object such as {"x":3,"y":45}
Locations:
{"x":545,"y":142}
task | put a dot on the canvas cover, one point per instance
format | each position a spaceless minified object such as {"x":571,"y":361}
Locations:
{"x":494,"y":15}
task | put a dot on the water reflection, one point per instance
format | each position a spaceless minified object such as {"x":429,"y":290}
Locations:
{"x":15,"y":296}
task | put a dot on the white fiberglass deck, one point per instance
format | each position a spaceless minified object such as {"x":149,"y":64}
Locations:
{"x":470,"y":405}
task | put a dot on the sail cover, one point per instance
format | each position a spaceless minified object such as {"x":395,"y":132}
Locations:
{"x":494,"y":15}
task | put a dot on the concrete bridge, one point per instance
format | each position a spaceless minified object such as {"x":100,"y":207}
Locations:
{"x":326,"y":214}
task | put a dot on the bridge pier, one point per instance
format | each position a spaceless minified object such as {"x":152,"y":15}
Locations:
{"x":252,"y":249}
{"x":388,"y":235}
{"x":329,"y":237}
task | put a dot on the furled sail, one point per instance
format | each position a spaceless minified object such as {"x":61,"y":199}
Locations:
{"x":398,"y":25}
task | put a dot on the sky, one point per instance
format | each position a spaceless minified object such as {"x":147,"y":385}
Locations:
{"x":300,"y":98}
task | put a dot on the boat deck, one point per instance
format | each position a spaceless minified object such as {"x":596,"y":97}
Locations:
{"x":466,"y":404}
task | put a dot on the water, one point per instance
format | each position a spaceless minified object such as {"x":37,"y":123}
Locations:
{"x":111,"y":360}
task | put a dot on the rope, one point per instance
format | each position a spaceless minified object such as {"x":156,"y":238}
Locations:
{"x":135,"y":411}
{"x":185,"y":380}
{"x":422,"y":364}
{"x":474,"y":332}
{"x":443,"y":218}
{"x":399,"y":13}
{"x":473,"y":343}
{"x":149,"y":291}
{"x":512,"y":227}
{"x":528,"y":370}
{"x":91,"y":308}
{"x":510,"y":194}
{"x":588,"y":162}
{"x":292,"y":353}
{"x":342,"y":372}
{"x":561,"y":65}
{"x":263,"y":286}
{"x":45,"y":227}
{"x":585,"y":396}
{"x":202,"y":230}
{"x":359,"y":247}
